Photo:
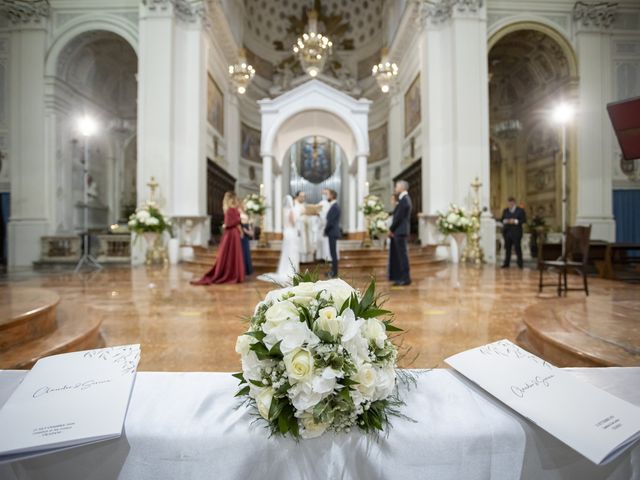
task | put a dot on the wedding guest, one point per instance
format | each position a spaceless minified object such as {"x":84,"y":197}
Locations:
{"x":512,"y":219}
{"x":247,"y":236}
{"x":332,"y":231}
{"x":399,"y":231}
{"x":228,"y":266}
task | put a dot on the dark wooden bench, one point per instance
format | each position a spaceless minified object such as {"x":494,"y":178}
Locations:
{"x":618,"y":264}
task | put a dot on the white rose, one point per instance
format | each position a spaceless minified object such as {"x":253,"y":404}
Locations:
{"x":374,"y":331}
{"x":385,"y":382}
{"x":328,"y":321}
{"x":278,"y":313}
{"x":292,"y":333}
{"x":303,"y":293}
{"x":299,"y":365}
{"x":366,"y":377}
{"x":310,"y":429}
{"x":339,"y":290}
{"x":132,"y":223}
{"x":303,"y":397}
{"x":251,"y":366}
{"x":263,"y":401}
{"x":326,"y":382}
{"x":452,"y":218}
{"x":243,"y":344}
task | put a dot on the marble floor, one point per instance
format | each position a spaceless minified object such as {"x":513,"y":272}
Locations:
{"x":187,"y":328}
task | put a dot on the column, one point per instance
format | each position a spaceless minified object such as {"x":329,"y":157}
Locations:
{"x":362,"y":189}
{"x":155,"y":101}
{"x":594,"y":133}
{"x":267,"y":181}
{"x":277,"y":202}
{"x":232,"y":133}
{"x":396,"y":134}
{"x":31,"y":176}
{"x":353,"y":202}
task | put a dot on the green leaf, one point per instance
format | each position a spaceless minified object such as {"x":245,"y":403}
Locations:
{"x":239,"y":376}
{"x":392,"y":328}
{"x":275,"y":351}
{"x":256,"y":383}
{"x":374,"y":312}
{"x":243,"y":391}
{"x":261,"y":351}
{"x":369,"y":296}
{"x":283,"y":424}
{"x":344,"y":394}
{"x":347,"y":382}
{"x":275,"y":409}
{"x":326,"y":337}
{"x":258,"y":335}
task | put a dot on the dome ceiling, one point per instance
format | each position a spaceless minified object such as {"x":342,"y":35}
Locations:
{"x":523,"y":64}
{"x":277,"y":23}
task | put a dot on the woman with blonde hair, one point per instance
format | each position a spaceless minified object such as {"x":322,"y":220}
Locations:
{"x":229,"y":265}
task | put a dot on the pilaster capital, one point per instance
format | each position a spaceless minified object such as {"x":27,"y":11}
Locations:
{"x":26,"y":12}
{"x":594,"y":16}
{"x":433,"y":13}
{"x":184,"y":10}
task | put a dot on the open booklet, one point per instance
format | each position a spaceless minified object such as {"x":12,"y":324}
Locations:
{"x":68,"y":400}
{"x":586,"y":418}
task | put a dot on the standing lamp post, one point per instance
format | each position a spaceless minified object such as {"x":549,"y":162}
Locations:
{"x":87,"y":127}
{"x":562,"y":115}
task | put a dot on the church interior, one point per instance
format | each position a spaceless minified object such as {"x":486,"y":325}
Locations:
{"x":412,"y":213}
{"x":108,"y":104}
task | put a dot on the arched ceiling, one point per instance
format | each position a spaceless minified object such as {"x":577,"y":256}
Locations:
{"x":102,"y":66}
{"x":523,"y":65}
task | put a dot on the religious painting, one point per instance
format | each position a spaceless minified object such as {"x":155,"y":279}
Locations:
{"x":378,"y":143}
{"x":215,"y":106}
{"x":412,"y":114}
{"x":316,"y":160}
{"x":250,"y":138}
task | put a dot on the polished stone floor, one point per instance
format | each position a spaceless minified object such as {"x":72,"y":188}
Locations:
{"x":187,"y":328}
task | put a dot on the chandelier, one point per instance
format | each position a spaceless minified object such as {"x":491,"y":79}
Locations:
{"x":312,"y":48}
{"x":385,"y":72}
{"x":507,"y":129}
{"x":241,"y":73}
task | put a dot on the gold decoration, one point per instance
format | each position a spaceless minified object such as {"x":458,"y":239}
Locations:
{"x":473,"y":252}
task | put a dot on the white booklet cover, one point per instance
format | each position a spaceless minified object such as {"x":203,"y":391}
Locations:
{"x":593,"y":422}
{"x":69,"y":400}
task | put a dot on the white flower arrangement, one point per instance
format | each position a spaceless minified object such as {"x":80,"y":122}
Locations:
{"x":379,"y":224}
{"x":255,"y":204}
{"x":456,"y":220}
{"x":372,"y":205}
{"x":318,"y":358}
{"x":148,"y":218}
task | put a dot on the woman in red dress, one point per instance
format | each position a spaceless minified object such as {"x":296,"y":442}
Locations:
{"x":229,"y":264}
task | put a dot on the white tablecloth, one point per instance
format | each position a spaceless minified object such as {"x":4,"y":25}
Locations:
{"x":188,"y":425}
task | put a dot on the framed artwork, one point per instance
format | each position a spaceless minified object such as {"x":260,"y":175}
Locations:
{"x":250,"y":139}
{"x":412,"y":114}
{"x":215,"y":106}
{"x":378,"y":143}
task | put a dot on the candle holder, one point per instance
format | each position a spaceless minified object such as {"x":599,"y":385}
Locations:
{"x":474,"y":252}
{"x":262,"y":240}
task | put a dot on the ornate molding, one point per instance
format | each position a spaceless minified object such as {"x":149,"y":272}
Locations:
{"x":595,"y":15}
{"x":183,"y":9}
{"x":26,"y":11}
{"x":435,"y":12}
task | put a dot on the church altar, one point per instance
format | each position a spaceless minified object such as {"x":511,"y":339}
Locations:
{"x":188,"y":425}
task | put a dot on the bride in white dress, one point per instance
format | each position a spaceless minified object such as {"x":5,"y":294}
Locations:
{"x":289,"y":263}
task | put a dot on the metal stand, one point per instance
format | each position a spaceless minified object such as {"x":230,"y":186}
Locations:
{"x":87,"y":258}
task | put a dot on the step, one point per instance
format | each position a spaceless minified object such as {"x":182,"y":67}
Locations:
{"x":26,"y":314}
{"x":77,"y":329}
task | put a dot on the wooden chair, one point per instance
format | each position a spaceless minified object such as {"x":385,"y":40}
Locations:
{"x":575,"y":258}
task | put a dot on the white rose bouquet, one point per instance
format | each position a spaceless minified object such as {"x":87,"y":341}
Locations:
{"x":148,"y":218}
{"x":372,"y":205}
{"x":456,"y":220}
{"x":318,"y":358}
{"x":255,"y":204}
{"x":379,"y":225}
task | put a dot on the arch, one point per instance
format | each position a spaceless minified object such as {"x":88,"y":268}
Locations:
{"x":540,"y":24}
{"x":89,"y":23}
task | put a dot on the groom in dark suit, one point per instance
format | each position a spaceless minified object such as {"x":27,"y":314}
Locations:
{"x":399,"y":232}
{"x":332,"y":231}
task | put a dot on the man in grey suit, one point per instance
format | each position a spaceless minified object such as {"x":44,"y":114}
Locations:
{"x":399,"y":231}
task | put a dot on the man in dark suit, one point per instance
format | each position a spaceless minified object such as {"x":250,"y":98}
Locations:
{"x":513,"y":217}
{"x":332,"y":231}
{"x":399,"y":232}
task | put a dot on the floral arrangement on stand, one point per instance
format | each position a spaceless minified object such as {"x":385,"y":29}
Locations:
{"x":379,"y":225}
{"x":317,"y":357}
{"x":255,"y":205}
{"x":149,"y":222}
{"x":455,"y":220}
{"x":371,"y":206}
